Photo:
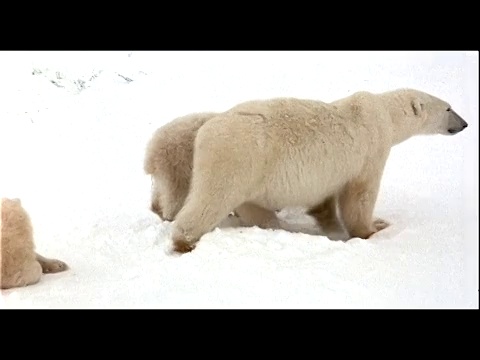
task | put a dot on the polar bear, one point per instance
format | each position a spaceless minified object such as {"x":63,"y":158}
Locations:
{"x":169,"y":161}
{"x":20,"y":264}
{"x":270,"y":154}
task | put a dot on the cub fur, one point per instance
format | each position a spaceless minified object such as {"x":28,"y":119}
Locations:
{"x":20,"y":264}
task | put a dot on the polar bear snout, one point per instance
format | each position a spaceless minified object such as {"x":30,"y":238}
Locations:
{"x":457,"y":129}
{"x":455,"y":122}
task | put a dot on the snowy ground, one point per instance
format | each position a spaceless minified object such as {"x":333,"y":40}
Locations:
{"x":73,"y":127}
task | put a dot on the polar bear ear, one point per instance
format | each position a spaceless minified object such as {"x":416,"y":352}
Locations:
{"x":417,"y":107}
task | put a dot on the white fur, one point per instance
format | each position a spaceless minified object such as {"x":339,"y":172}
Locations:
{"x":272,"y":154}
{"x":20,"y":264}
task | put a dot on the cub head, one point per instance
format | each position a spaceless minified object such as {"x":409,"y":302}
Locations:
{"x":13,"y":214}
{"x":434,"y":115}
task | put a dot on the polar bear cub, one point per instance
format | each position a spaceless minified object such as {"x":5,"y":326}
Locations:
{"x":265,"y":155}
{"x":169,"y":161}
{"x":20,"y":264}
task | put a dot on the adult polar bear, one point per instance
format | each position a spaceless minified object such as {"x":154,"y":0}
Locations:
{"x":265,"y":155}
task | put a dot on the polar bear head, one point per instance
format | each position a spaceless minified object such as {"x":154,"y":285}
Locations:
{"x":14,"y":218}
{"x":415,"y":113}
{"x":436,"y":116}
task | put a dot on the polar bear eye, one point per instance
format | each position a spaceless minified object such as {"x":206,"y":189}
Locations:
{"x":449,"y":109}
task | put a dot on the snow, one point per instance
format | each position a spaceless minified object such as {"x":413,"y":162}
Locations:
{"x":72,"y":150}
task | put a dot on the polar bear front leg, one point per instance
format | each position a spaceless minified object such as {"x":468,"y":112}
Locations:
{"x":357,"y":201}
{"x":173,"y":196}
{"x":156,"y":201}
{"x":155,"y":205}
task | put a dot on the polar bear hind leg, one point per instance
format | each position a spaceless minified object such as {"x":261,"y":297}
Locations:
{"x":27,"y":275}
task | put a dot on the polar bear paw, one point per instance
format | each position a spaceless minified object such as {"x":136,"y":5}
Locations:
{"x":182,"y":246}
{"x":50,"y":266}
{"x":380,"y":224}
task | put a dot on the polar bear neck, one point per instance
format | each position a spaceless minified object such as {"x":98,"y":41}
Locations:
{"x":405,"y":123}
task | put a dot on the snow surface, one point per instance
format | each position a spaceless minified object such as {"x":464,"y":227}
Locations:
{"x":73,"y":129}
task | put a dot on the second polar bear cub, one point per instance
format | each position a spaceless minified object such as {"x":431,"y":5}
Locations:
{"x":265,"y":155}
{"x":20,"y":264}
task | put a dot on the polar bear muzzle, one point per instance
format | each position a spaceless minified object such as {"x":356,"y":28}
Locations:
{"x":455,"y":122}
